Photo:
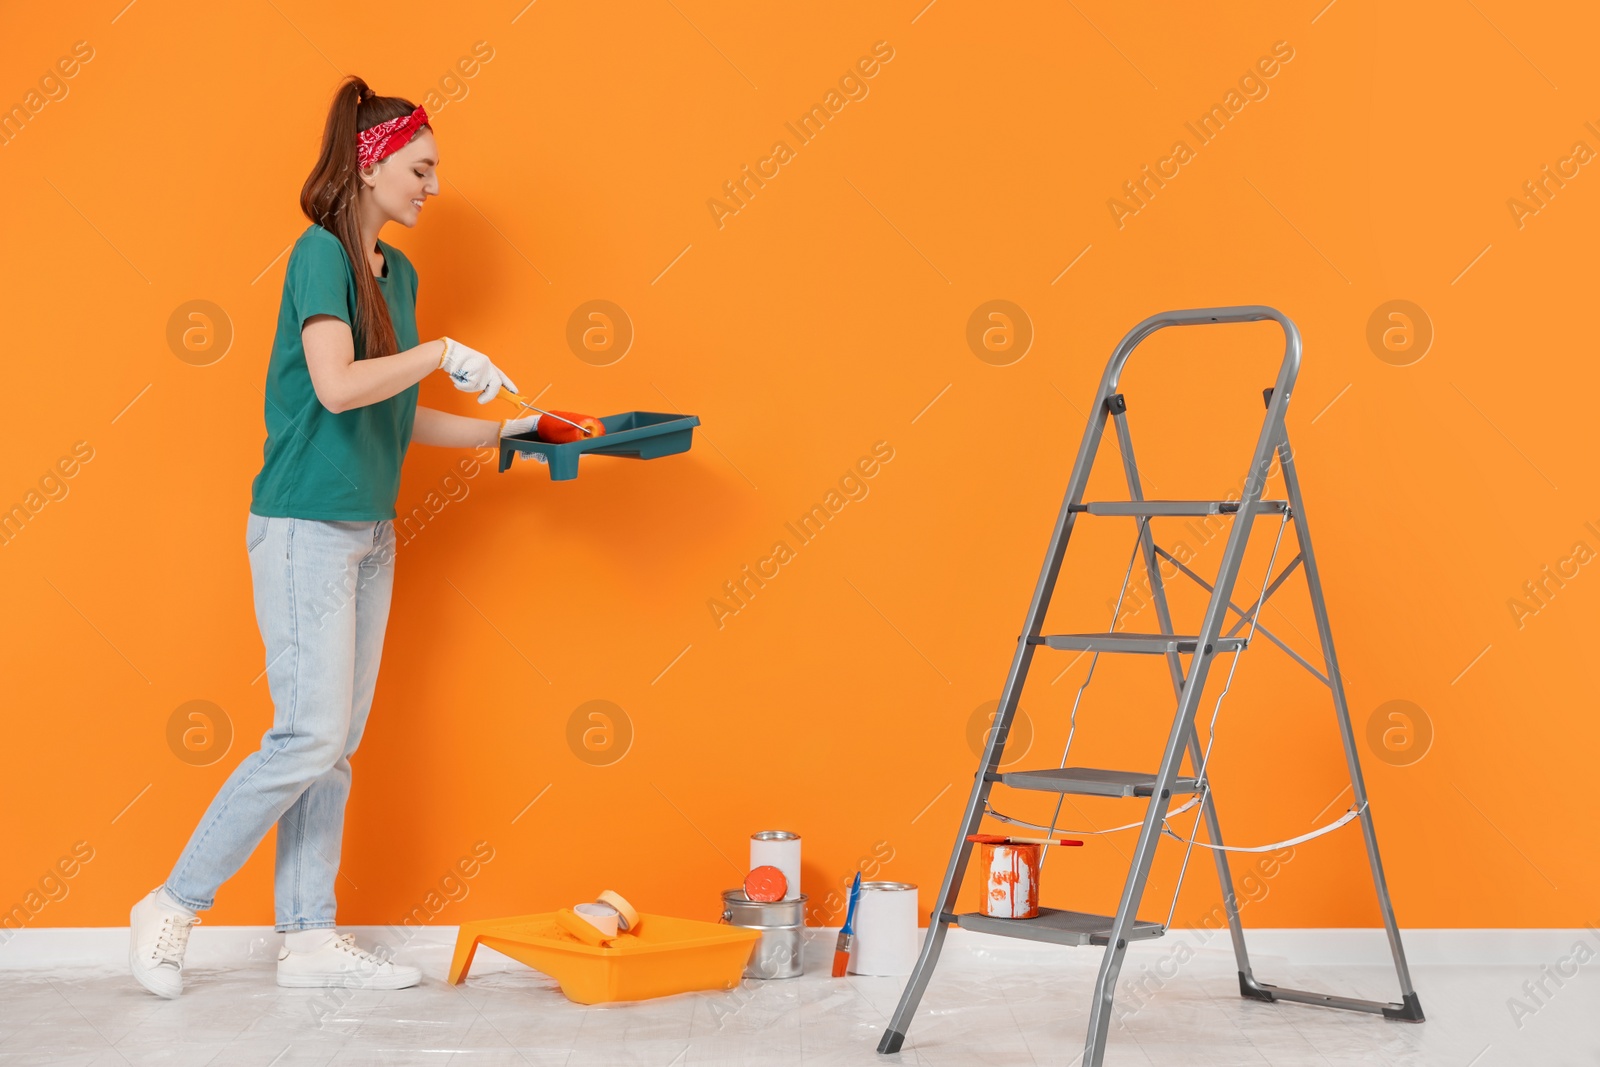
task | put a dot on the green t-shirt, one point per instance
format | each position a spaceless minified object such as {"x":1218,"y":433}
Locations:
{"x":316,"y":464}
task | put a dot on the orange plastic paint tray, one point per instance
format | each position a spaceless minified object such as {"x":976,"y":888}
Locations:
{"x":666,"y":956}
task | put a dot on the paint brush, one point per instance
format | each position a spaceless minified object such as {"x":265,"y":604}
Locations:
{"x":518,"y":399}
{"x":847,"y":936}
{"x":1002,"y":839}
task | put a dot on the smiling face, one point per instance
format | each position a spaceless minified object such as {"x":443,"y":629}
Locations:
{"x":398,"y":185}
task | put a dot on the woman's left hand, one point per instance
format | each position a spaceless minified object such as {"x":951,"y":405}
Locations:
{"x":513,"y":427}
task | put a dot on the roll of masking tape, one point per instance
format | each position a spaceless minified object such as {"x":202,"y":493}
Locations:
{"x":579,"y":927}
{"x":627,"y":916}
{"x":602,"y":917}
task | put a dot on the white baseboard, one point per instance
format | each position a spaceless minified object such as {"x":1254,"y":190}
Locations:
{"x":209,"y":946}
{"x":219,"y":946}
{"x":1443,"y":947}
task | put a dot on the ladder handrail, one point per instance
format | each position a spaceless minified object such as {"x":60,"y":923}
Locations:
{"x":1287,"y":373}
{"x":1283,"y":387}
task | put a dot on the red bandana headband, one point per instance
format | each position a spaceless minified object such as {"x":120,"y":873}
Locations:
{"x":386,"y":138}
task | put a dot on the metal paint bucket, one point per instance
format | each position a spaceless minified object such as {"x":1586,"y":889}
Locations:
{"x":782,"y":924}
{"x":1013,"y":881}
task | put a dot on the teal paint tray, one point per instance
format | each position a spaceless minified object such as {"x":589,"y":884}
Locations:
{"x":633,"y":434}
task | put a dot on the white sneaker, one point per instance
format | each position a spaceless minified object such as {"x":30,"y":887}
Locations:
{"x":158,"y":936}
{"x":339,"y":962}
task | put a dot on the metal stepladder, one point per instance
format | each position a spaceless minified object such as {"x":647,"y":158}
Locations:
{"x":1116,"y":931}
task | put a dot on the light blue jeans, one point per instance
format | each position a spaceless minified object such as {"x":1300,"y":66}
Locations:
{"x":322,"y":594}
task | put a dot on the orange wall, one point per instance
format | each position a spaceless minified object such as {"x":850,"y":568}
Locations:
{"x":822,"y":318}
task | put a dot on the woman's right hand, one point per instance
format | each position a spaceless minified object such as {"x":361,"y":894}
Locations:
{"x":472,"y":372}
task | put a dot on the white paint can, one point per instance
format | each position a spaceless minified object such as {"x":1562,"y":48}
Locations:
{"x":885,"y":929}
{"x":780,"y":849}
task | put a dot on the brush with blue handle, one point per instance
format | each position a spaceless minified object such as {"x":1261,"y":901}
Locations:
{"x":847,"y":936}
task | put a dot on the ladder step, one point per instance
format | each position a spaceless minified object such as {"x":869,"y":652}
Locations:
{"x":1148,"y":644}
{"x":1091,"y":782}
{"x":1157,"y":508}
{"x":1057,"y":927}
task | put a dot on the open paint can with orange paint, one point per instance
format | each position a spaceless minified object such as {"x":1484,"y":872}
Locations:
{"x":1013,"y":879}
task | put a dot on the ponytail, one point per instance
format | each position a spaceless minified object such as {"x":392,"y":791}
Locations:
{"x":328,"y":199}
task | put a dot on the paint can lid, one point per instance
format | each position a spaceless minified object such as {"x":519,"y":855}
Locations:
{"x":766,"y":884}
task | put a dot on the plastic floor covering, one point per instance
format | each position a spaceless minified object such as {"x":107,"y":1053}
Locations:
{"x":991,"y":1002}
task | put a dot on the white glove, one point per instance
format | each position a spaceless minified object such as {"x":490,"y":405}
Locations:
{"x":472,"y":372}
{"x":526,"y":424}
{"x":513,"y":427}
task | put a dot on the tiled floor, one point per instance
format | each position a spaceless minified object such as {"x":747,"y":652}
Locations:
{"x":991,"y":1002}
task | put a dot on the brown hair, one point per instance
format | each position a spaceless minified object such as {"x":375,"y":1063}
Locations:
{"x":328,"y":198}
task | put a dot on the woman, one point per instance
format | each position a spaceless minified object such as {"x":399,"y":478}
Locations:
{"x":341,"y":408}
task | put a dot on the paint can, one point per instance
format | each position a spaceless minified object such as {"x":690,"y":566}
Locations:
{"x":780,"y":849}
{"x":782,"y":924}
{"x":885,"y":929}
{"x":1013,"y":880}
